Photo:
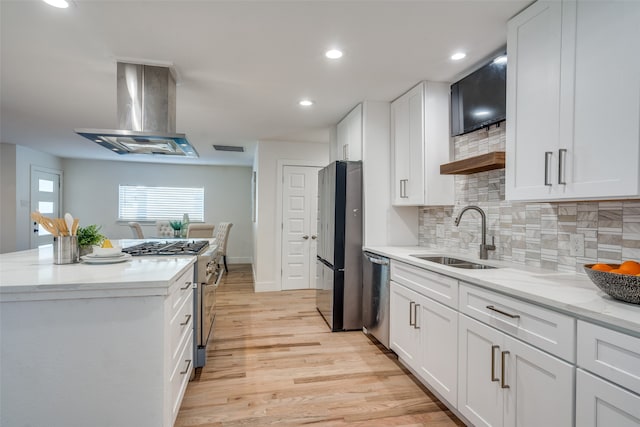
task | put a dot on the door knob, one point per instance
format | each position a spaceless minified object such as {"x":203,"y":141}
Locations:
{"x":314,"y":237}
{"x":305,"y":237}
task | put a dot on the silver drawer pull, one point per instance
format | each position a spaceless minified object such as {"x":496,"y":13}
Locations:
{"x":415,"y":316}
{"x":547,"y":169}
{"x":186,"y":321}
{"x":493,"y":362}
{"x":513,"y":316}
{"x":186,"y":370}
{"x":411,"y":312}
{"x":503,"y":383}
{"x":186,"y":286}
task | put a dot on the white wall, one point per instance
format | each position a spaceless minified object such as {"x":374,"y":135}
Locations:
{"x":266,"y":229}
{"x":19,"y":160}
{"x":8,"y":198}
{"x":91,"y":194}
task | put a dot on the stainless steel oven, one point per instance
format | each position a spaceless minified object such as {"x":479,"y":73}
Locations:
{"x":208,"y":275}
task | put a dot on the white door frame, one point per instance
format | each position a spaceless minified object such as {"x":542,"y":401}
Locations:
{"x":36,"y":168}
{"x":279,"y":218}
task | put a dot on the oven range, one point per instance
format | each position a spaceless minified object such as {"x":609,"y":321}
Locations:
{"x":207,"y":275}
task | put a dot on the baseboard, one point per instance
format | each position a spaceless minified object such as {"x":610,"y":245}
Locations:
{"x":265,"y":286}
{"x":239,"y":260}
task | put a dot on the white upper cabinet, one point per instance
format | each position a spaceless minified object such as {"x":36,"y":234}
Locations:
{"x":349,"y":136}
{"x":573,"y":101}
{"x":420,"y":144}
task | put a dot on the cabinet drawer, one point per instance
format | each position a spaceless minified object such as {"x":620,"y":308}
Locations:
{"x":180,"y":289}
{"x":180,"y":373}
{"x":600,"y":403}
{"x":546,"y":329}
{"x":433,"y":285}
{"x":610,"y":354}
{"x":181,"y":326}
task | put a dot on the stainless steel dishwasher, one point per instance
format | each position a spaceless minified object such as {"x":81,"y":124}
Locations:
{"x":375,"y":296}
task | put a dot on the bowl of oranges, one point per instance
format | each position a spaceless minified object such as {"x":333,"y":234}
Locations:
{"x":621,"y":281}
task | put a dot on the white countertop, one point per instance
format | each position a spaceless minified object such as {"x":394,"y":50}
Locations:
{"x":570,"y":293}
{"x":32,"y":275}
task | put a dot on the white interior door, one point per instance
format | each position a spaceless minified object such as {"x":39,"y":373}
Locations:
{"x":299,"y":226}
{"x":45,"y":198}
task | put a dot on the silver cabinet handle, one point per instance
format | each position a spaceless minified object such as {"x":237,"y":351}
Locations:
{"x":345,"y":152}
{"x":503,"y":384}
{"x":186,"y":286}
{"x":547,"y":170}
{"x":403,"y":188}
{"x":314,"y":237}
{"x":562,"y":160}
{"x":513,"y":316}
{"x":187,"y":369}
{"x":415,"y":316}
{"x":188,"y":316}
{"x":305,"y":237}
{"x":411,"y":311}
{"x":493,"y":362}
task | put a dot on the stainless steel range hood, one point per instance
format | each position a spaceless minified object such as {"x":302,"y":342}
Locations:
{"x":146,"y":107}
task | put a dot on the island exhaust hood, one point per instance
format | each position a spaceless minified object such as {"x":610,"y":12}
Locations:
{"x":146,"y":108}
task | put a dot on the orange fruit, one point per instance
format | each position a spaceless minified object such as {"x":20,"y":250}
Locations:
{"x":602,"y":267}
{"x":630,"y":267}
{"x":616,"y":271}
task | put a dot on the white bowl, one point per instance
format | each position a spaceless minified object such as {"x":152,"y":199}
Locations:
{"x":99,"y":251}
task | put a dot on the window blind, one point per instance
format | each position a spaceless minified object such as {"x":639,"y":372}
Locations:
{"x":142,"y":203}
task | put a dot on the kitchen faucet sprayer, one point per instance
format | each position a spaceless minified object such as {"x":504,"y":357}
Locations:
{"x":484,"y":248}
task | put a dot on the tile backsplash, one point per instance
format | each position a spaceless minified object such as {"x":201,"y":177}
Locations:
{"x":549,"y":235}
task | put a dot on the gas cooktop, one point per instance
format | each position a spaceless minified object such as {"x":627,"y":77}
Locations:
{"x":180,"y":247}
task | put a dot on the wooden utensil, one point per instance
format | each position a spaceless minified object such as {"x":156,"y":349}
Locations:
{"x":61,"y":225}
{"x":46,"y":222}
{"x":74,"y":227}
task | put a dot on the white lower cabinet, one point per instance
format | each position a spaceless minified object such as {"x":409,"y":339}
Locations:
{"x":404,"y":337}
{"x":503,"y":361}
{"x":423,"y":333}
{"x":612,"y":398}
{"x":600,"y":403}
{"x":438,"y":347}
{"x":503,"y":381}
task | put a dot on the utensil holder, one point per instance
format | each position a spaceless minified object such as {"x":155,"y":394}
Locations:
{"x":65,"y":250}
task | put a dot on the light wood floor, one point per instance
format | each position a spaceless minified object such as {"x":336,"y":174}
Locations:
{"x":273,"y":361}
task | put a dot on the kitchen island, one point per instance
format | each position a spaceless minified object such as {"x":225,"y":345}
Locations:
{"x":99,"y":345}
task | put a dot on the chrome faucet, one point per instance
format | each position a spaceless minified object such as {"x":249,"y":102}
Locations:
{"x":484,"y":248}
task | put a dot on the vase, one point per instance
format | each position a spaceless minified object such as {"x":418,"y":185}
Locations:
{"x":85,"y":250}
{"x":176,"y":233}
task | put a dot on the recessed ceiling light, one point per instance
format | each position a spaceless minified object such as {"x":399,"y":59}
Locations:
{"x":306,"y":103}
{"x":333,"y":54}
{"x":458,"y":56}
{"x":62,"y":4}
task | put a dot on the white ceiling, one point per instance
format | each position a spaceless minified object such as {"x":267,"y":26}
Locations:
{"x":242,"y":65}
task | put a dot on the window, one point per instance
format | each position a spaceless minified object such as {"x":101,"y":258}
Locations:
{"x":140,"y":203}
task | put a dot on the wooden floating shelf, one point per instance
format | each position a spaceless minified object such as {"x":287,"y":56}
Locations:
{"x":481,"y":163}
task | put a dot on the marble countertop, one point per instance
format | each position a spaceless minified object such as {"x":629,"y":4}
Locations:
{"x":571,"y":293}
{"x":32,"y":275}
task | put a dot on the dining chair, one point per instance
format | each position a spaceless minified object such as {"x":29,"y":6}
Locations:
{"x":136,"y":230}
{"x":222,"y":235}
{"x":200,"y":230}
{"x":163,"y":229}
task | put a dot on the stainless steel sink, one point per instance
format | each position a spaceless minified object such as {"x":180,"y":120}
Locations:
{"x":454,"y":262}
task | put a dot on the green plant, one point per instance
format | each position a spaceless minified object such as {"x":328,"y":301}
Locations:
{"x":89,"y":235}
{"x":176,"y":225}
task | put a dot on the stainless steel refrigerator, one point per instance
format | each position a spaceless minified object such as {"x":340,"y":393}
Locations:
{"x":339,"y":264}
